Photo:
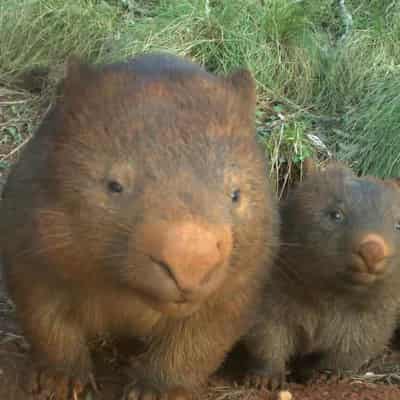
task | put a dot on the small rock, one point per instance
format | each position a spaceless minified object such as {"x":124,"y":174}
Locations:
{"x":284,"y":395}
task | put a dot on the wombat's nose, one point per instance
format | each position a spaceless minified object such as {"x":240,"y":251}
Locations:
{"x":192,"y":253}
{"x":373,"y":250}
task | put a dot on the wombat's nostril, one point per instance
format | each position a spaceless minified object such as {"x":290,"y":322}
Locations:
{"x":373,"y":250}
{"x":164,"y":266}
{"x":192,"y":253}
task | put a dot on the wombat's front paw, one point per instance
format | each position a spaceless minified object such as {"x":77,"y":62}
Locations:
{"x":49,"y":385}
{"x":136,"y":391}
{"x":261,"y":378}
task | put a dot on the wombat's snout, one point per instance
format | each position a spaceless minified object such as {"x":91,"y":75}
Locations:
{"x":373,"y":250}
{"x":193,"y":255}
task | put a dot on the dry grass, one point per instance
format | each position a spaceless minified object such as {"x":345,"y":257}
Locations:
{"x":20,"y":112}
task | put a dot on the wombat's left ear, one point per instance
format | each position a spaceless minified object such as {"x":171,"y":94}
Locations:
{"x":76,"y":73}
{"x":76,"y":69}
{"x":244,"y":83}
{"x":309,"y":167}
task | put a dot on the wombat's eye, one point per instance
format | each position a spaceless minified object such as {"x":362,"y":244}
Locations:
{"x":235,"y":195}
{"x":336,"y":215}
{"x":115,"y":187}
{"x":397,"y":226}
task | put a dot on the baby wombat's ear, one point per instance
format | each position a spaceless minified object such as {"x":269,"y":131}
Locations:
{"x":245,"y":85}
{"x":309,"y":167}
{"x":394,"y":182}
{"x":337,"y":168}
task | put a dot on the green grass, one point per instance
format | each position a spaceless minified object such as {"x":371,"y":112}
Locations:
{"x":374,"y":145}
{"x":344,"y":91}
{"x":286,"y":144}
{"x":277,"y":42}
{"x":37,"y":32}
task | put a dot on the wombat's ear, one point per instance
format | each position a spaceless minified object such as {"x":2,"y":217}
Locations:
{"x":395,"y":182}
{"x":76,"y":72}
{"x":244,"y":84}
{"x":309,"y":167}
{"x":339,"y":167}
{"x":75,"y":68}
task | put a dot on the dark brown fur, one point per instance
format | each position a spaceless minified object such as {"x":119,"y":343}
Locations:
{"x":313,"y":303}
{"x":78,"y":258}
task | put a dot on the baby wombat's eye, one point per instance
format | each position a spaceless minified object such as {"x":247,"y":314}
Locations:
{"x":115,"y":187}
{"x":336,"y":215}
{"x":235,"y":195}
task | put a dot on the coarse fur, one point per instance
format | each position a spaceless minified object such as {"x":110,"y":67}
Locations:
{"x":320,"y":301}
{"x":130,"y":151}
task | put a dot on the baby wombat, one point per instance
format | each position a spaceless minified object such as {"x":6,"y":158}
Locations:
{"x":334,"y":291}
{"x":140,"y":208}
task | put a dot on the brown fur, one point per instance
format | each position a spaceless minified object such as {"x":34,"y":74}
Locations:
{"x":179,"y":140}
{"x":313,"y":303}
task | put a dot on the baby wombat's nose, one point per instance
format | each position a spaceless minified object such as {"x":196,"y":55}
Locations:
{"x":373,"y":250}
{"x":192,"y":253}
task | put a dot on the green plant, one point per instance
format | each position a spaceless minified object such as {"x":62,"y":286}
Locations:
{"x":372,"y":144}
{"x":291,"y":47}
{"x":44,"y":32}
{"x":286,"y":142}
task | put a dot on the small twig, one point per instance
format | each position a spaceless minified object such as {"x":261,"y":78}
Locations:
{"x":16,"y":149}
{"x":390,"y":6}
{"x":347,"y":20}
{"x":13,"y":353}
{"x":285,"y":181}
{"x":12,"y":102}
{"x":93,"y":383}
{"x":207,"y":8}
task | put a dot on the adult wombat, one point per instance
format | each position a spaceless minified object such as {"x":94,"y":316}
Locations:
{"x":141,"y":208}
{"x":334,"y":291}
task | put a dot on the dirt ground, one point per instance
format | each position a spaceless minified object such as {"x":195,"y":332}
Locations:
{"x":381,"y":381}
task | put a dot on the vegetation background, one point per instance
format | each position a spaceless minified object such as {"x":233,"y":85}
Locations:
{"x":328,"y":71}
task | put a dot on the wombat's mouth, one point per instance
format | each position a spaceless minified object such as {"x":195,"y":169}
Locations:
{"x":173,"y":306}
{"x":364,"y":278}
{"x":161,"y":291}
{"x":361,"y":274}
{"x":179,"y":309}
